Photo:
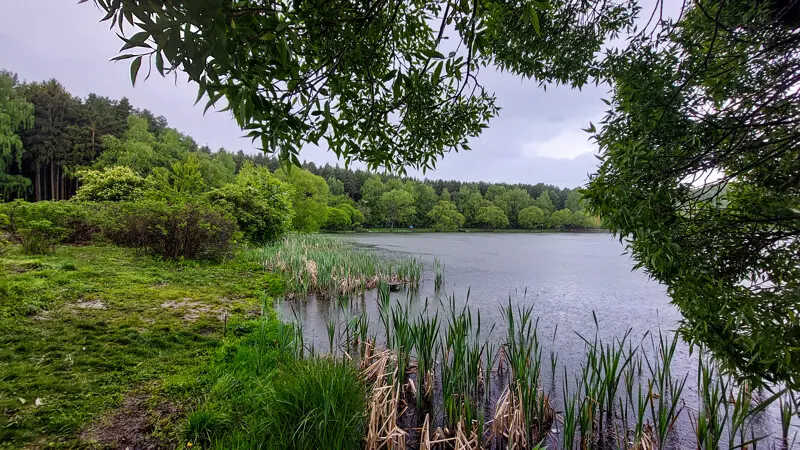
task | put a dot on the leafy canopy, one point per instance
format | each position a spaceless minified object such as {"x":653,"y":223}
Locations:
{"x":392,"y":83}
{"x":700,"y":175}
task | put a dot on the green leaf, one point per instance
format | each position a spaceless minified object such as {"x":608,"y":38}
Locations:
{"x":160,"y":63}
{"x":135,"y":65}
{"x":534,"y":16}
{"x":137,"y":40}
{"x":125,"y":56}
{"x":437,"y":72}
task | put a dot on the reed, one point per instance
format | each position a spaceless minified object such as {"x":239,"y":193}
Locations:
{"x":425,"y":333}
{"x":438,"y":268}
{"x":328,"y":266}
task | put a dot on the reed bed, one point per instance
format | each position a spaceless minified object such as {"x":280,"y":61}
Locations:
{"x":330,"y":267}
{"x":439,"y":382}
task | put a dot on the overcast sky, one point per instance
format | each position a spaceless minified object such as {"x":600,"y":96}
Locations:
{"x":536,"y":138}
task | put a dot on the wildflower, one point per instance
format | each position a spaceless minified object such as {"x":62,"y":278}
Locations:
{"x":189,"y":444}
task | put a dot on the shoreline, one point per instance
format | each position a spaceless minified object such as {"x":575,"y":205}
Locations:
{"x":462,"y":230}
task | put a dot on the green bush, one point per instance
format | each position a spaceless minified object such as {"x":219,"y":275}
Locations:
{"x":338,"y":219}
{"x":39,"y":237}
{"x":44,"y":224}
{"x":173,"y":230}
{"x":260,"y":202}
{"x":317,"y":403}
{"x":113,"y":184}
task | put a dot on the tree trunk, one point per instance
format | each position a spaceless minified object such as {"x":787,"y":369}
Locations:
{"x":53,"y":191}
{"x":37,"y":188}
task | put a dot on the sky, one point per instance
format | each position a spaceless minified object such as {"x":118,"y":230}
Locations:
{"x":536,"y":138}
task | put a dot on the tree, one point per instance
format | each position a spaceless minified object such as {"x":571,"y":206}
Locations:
{"x":445,"y":195}
{"x":512,"y":201}
{"x":260,"y":203}
{"x":136,"y":149}
{"x":494,"y":192}
{"x":187,"y":179}
{"x":336,"y":186}
{"x":356,"y":218}
{"x":331,"y":71}
{"x":371,"y":192}
{"x":468,"y":202}
{"x":309,"y":198}
{"x":544,"y":203}
{"x":574,"y":200}
{"x":559,"y":219}
{"x":338,"y":219}
{"x":445,"y":217}
{"x":578,"y":219}
{"x":425,"y":199}
{"x":50,"y":143}
{"x":16,"y":113}
{"x":700,"y":176}
{"x":217,"y":168}
{"x":532,"y":217}
{"x":399,"y":206}
{"x":491,"y":217}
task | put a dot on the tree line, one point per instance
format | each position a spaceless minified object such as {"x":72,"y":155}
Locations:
{"x":52,"y":140}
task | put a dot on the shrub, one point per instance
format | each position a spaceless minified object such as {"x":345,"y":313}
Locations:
{"x":113,"y":184}
{"x":260,"y":202}
{"x":338,"y":219}
{"x":173,"y":230}
{"x":317,"y":403}
{"x":51,"y":222}
{"x":39,"y":237}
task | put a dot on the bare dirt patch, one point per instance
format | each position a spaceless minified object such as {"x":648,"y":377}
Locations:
{"x":193,"y":310}
{"x":89,"y":304}
{"x":132,"y":426}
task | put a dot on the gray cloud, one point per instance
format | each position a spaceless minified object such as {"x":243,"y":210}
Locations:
{"x":536,"y":138}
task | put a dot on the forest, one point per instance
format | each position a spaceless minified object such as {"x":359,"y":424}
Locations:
{"x":55,"y":143}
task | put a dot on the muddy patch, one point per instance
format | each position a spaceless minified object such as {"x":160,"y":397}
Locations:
{"x":88,"y":304}
{"x":133,"y":426}
{"x":193,"y":310}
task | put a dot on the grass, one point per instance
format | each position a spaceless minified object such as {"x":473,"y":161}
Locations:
{"x":85,"y":327}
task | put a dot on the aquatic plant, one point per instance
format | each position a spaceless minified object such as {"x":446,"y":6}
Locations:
{"x":329,"y":266}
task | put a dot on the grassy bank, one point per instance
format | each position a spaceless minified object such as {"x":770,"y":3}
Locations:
{"x":92,"y":331}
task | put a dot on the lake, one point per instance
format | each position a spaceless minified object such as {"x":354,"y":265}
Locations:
{"x":569,"y":278}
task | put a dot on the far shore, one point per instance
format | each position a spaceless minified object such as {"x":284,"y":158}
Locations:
{"x":463,"y":230}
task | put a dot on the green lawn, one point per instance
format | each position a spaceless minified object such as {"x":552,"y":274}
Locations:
{"x":94,"y":329}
